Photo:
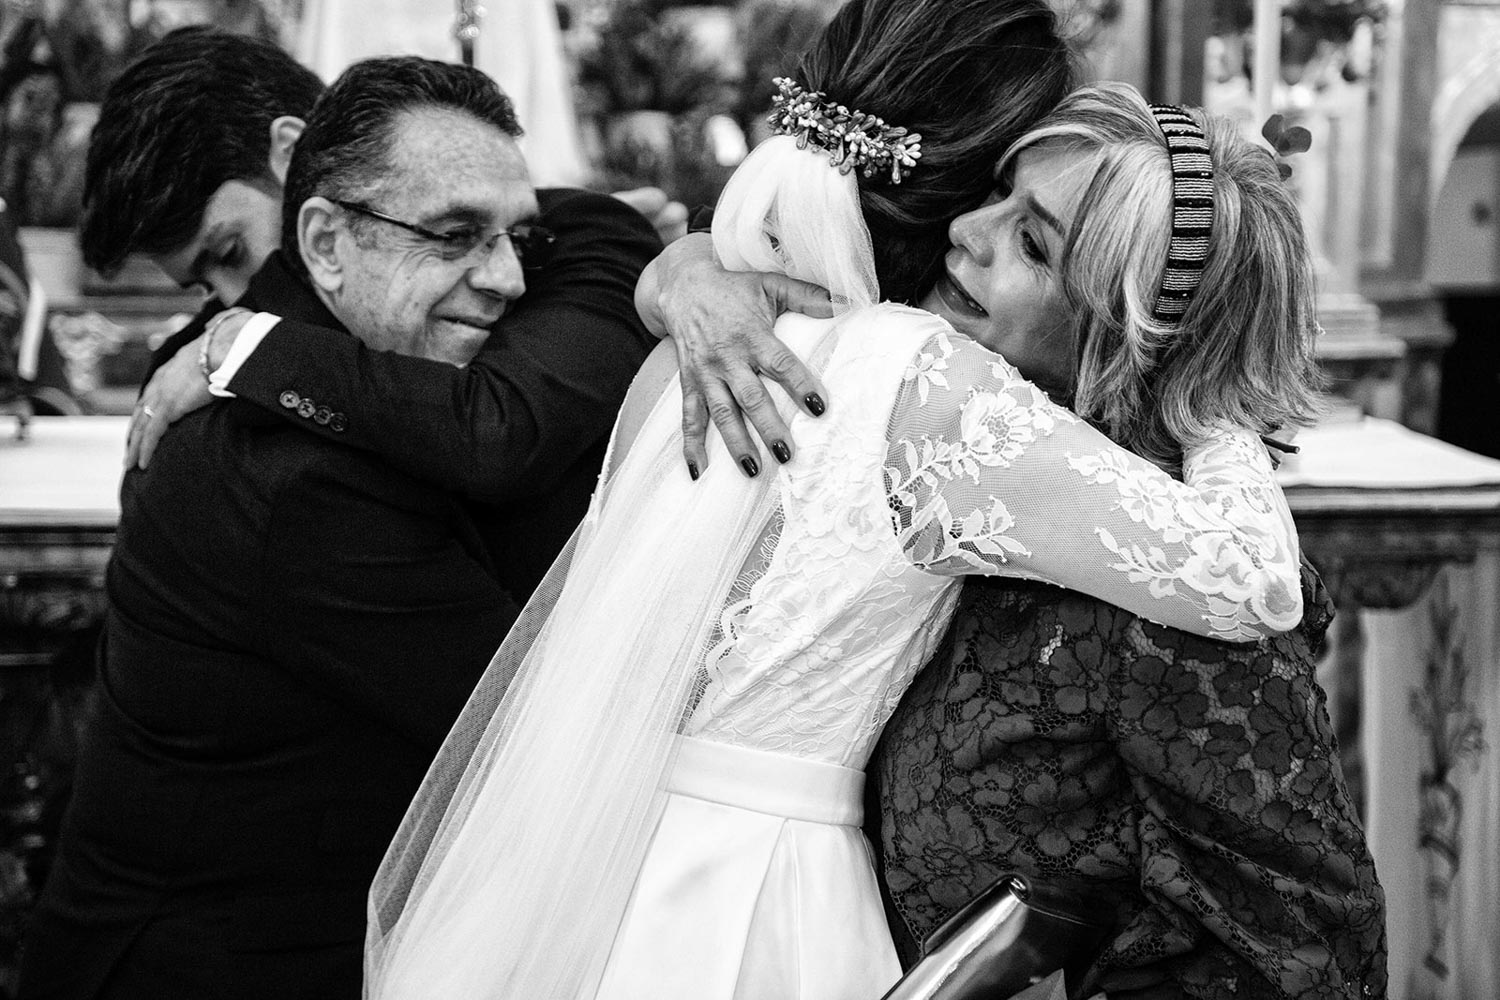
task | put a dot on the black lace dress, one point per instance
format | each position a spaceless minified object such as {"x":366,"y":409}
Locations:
{"x":1191,"y":787}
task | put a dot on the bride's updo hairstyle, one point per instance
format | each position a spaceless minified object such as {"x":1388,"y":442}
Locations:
{"x":1242,"y":349}
{"x":970,"y":76}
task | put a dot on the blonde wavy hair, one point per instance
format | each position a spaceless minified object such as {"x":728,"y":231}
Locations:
{"x":1243,"y":352}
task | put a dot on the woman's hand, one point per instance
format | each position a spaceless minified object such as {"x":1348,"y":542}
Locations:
{"x":180,"y":386}
{"x":721,"y":325}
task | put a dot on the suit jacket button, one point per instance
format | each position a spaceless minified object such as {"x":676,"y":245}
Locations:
{"x":323,"y":415}
{"x":306,"y":408}
{"x":337,"y":423}
{"x":290,"y":399}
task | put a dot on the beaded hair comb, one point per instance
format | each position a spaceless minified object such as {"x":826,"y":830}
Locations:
{"x":852,"y":139}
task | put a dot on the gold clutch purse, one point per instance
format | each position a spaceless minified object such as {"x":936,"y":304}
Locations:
{"x":1011,"y":936}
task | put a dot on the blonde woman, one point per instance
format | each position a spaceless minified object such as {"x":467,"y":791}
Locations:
{"x":1187,"y":791}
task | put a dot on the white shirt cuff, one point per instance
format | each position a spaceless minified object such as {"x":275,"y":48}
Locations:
{"x":250,"y":336}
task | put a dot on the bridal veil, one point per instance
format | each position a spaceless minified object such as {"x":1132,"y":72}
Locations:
{"x":513,"y":868}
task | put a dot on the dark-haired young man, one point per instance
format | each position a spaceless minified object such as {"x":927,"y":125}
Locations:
{"x":294,"y":624}
{"x":188,"y":157}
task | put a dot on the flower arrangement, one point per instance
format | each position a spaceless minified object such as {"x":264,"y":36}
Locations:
{"x":642,"y":60}
{"x":648,"y":88}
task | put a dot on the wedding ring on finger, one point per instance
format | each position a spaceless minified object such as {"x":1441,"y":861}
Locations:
{"x":150,"y":413}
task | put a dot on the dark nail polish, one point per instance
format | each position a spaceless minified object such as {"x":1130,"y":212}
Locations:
{"x":750,"y":466}
{"x":782,"y":452}
{"x":693,"y":471}
{"x":814,"y":404}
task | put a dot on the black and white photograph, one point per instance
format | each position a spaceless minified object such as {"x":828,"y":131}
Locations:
{"x":749,"y":499}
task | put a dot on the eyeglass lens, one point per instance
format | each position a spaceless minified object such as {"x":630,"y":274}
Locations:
{"x":532,"y":245}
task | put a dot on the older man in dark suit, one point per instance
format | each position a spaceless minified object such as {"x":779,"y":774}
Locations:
{"x":187,"y":167}
{"x":294,"y":623}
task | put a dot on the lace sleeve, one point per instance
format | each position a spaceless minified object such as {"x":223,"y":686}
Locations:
{"x":985,"y":475}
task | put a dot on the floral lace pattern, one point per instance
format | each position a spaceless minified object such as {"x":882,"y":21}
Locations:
{"x":825,"y":631}
{"x":830,"y":620}
{"x":1192,"y":787}
{"x":1215,"y":555}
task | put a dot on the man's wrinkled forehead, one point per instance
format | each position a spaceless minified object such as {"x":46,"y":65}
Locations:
{"x":450,"y":165}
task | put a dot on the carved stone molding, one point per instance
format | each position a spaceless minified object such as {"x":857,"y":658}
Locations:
{"x":51,"y":605}
{"x":51,"y":589}
{"x":1469,"y":54}
{"x":1386,"y":585}
{"x":1388,"y":559}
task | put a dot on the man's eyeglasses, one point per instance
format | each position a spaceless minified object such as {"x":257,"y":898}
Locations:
{"x":470,"y":245}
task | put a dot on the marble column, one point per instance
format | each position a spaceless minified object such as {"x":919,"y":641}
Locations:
{"x":1179,"y":31}
{"x":1398,"y":199}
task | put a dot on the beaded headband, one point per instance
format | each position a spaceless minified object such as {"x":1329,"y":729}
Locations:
{"x":852,"y":139}
{"x":1192,"y":211}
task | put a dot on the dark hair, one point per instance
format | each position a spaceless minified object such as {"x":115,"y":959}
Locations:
{"x":343,"y":151}
{"x":194,"y":111}
{"x":971,"y":76}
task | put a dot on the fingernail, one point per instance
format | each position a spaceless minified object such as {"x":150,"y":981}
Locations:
{"x":693,"y":471}
{"x":782,"y":452}
{"x":814,"y":403}
{"x":750,"y":466}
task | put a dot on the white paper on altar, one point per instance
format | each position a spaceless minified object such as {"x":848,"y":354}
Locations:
{"x":1380,"y":454}
{"x":519,"y":46}
{"x":67,"y":471}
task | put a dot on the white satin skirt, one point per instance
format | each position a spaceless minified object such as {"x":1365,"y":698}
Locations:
{"x":758,"y":885}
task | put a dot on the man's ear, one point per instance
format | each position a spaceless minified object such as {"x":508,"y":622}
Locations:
{"x":285,"y":131}
{"x":318,"y":239}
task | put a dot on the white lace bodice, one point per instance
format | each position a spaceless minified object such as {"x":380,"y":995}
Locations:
{"x":938,"y":460}
{"x":785,"y":613}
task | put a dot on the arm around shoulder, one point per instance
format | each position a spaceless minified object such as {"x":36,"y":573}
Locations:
{"x":543,"y":391}
{"x":990,"y":477}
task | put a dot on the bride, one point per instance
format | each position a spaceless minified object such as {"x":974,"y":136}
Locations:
{"x":656,"y":789}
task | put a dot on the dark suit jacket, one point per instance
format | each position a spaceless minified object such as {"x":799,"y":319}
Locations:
{"x":1188,"y":788}
{"x":521,"y":430}
{"x":293,"y":626}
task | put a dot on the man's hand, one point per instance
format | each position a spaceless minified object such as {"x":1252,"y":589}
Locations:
{"x":179,"y":387}
{"x":721,"y":325}
{"x":669,"y":217}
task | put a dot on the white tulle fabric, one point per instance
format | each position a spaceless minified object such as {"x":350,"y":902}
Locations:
{"x":783,"y":205}
{"x":511,"y":870}
{"x":553,"y":851}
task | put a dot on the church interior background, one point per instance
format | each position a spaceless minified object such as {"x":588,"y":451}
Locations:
{"x":1401,"y":193}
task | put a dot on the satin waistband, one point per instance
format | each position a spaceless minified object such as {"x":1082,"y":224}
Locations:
{"x":773,"y":783}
